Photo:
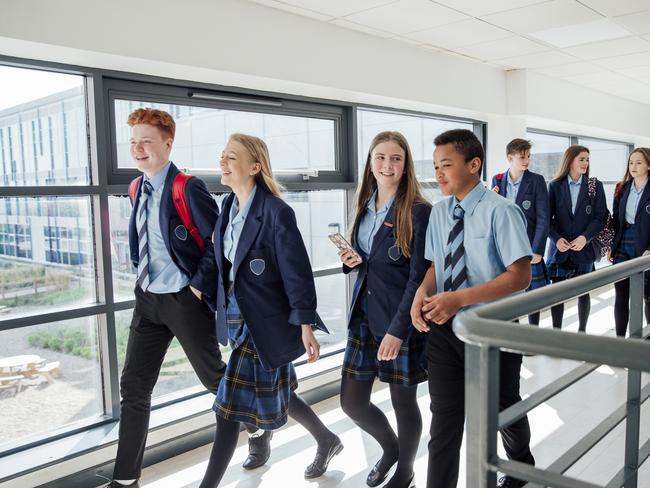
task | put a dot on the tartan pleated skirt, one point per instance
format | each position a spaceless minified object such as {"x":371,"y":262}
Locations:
{"x":569,"y":269}
{"x":247,"y":392}
{"x":360,"y":360}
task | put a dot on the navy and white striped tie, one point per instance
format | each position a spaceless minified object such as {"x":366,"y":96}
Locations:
{"x":455,"y":269}
{"x":143,"y":246}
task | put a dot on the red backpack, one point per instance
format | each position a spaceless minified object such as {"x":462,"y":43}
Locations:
{"x":180,"y":204}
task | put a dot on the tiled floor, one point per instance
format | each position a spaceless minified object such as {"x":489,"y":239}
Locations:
{"x":556,"y":425}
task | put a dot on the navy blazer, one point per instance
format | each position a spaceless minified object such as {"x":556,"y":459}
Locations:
{"x":184,"y":252}
{"x":641,"y":220}
{"x":532,"y":198}
{"x":589,"y":219}
{"x":273,"y":281}
{"x":392,"y":278}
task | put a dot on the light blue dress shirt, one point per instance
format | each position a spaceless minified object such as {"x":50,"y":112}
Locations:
{"x":370,"y":223}
{"x":234,"y":228}
{"x":633,"y":203}
{"x":165,"y":276}
{"x":495,"y":235}
{"x":574,"y":190}
{"x":513,"y":186}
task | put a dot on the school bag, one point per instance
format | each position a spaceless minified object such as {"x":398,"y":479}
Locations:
{"x":602,"y":242}
{"x":180,"y":204}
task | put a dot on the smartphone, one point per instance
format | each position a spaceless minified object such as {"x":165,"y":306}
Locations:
{"x":342,"y":243}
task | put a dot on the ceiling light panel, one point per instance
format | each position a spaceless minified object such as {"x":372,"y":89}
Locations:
{"x":542,"y":16}
{"x":583,"y":33}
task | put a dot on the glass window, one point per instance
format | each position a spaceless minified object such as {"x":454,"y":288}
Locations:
{"x":295,"y":143}
{"x":420,"y":131}
{"x":546,"y":153}
{"x":49,"y":379}
{"x":46,"y":254}
{"x":607,"y":159}
{"x":43,"y":128}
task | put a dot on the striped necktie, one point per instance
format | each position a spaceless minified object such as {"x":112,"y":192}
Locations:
{"x":143,"y":246}
{"x":455,"y":269}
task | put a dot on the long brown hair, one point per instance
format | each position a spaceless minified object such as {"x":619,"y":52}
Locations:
{"x":259,"y":153}
{"x":570,"y":154}
{"x":408,"y":192}
{"x":643,"y":151}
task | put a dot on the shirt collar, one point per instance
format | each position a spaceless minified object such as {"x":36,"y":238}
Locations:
{"x":574,"y":183}
{"x":640,"y":190}
{"x":469,"y":203}
{"x":235,"y":214}
{"x":158,"y":179}
{"x":513,"y":182}
{"x":373,"y":200}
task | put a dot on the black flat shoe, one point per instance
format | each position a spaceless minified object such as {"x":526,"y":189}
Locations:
{"x":259,"y":450}
{"x":115,"y":484}
{"x":377,"y":476}
{"x":323,"y":458}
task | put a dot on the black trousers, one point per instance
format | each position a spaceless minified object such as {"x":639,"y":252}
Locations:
{"x":446,"y":358}
{"x":157,"y":319}
{"x":622,"y":306}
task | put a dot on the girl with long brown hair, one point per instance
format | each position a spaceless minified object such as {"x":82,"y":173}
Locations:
{"x":388,"y":235}
{"x":578,"y":212}
{"x":631,"y":219}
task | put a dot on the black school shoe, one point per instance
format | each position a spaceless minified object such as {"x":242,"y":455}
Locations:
{"x":259,"y":450}
{"x":323,"y":458}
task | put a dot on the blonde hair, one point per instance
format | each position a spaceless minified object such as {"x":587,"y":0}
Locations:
{"x":408,"y":192}
{"x":259,"y":153}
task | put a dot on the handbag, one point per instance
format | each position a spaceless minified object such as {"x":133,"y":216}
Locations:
{"x":601,"y":242}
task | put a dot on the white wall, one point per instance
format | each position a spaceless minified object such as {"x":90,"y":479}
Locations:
{"x":238,"y":43}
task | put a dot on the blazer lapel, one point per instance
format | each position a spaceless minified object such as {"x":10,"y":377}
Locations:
{"x":525,"y":181}
{"x":384,"y":231}
{"x":165,"y":202}
{"x":251,"y":228}
{"x":219,"y":231}
{"x":623,"y":203}
{"x":565,"y":196}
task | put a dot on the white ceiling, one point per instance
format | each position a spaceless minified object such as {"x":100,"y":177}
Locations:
{"x":513,"y":34}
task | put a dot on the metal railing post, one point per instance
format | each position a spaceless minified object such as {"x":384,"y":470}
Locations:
{"x":633,"y":416}
{"x":482,"y":408}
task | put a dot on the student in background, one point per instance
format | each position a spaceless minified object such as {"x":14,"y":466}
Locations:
{"x":388,"y":235}
{"x":578,"y":214}
{"x":528,"y":191}
{"x":479,"y":252}
{"x":266,"y":303}
{"x":631,"y":219}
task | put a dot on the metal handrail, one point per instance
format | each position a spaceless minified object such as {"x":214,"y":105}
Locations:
{"x":488,"y":328}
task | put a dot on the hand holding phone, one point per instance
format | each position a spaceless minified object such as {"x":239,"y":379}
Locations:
{"x":349,"y":256}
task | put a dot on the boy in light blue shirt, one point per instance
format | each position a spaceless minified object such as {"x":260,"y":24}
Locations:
{"x":479,"y":252}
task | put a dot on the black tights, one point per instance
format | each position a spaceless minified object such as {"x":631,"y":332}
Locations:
{"x":622,"y":306}
{"x":227,"y":434}
{"x":355,"y":401}
{"x":584,"y":307}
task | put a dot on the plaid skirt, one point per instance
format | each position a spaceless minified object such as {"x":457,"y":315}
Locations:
{"x":360,"y":360}
{"x":540,"y":276}
{"x":247,"y":392}
{"x":627,"y":251}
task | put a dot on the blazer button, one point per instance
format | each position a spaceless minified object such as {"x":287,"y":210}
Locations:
{"x":369,"y":293}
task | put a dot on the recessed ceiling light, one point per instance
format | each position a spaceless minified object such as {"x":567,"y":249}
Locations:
{"x":576,"y":34}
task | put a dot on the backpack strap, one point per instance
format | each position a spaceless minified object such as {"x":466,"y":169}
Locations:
{"x":183,"y":209}
{"x":133,"y":188}
{"x":500,"y":177}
